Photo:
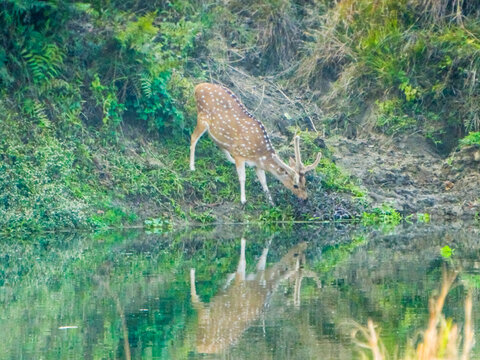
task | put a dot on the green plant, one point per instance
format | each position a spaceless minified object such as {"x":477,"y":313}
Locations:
{"x":205,"y":217}
{"x":277,"y":215}
{"x":385,"y":215}
{"x":447,"y":252}
{"x":391,"y":119}
{"x":473,"y":138}
{"x":157,"y":224}
{"x":106,"y":98}
{"x":423,"y":218}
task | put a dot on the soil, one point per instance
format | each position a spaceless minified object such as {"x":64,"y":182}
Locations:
{"x":410,"y":175}
{"x":407,"y":174}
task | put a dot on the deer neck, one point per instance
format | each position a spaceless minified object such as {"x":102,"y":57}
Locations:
{"x":276,"y":166}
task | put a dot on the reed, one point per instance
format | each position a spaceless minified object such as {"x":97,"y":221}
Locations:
{"x":440,"y":340}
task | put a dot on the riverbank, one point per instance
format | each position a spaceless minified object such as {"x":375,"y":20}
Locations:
{"x":98,"y":108}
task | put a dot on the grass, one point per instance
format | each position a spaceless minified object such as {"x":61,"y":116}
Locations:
{"x":94,"y":144}
{"x":440,"y":340}
{"x":399,"y":60}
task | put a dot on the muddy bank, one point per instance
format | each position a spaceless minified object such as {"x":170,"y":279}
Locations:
{"x":411,"y":176}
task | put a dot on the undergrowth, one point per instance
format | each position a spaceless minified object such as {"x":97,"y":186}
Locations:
{"x":397,"y":66}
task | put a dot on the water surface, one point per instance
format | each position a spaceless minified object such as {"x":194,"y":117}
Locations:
{"x":227,"y":292}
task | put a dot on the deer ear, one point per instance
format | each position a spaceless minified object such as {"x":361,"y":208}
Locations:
{"x":291,"y":162}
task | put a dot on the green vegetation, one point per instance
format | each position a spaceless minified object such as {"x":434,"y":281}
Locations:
{"x":97,"y":111}
{"x":411,"y":63}
{"x":447,"y":251}
{"x":423,"y":218}
{"x":472,"y":138}
{"x":65,"y":159}
{"x":385,"y":215}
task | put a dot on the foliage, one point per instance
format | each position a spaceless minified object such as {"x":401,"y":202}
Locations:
{"x":423,"y":217}
{"x":446,"y":251}
{"x":157,"y":223}
{"x":473,"y":138}
{"x":277,"y":215}
{"x":417,"y":70}
{"x":72,"y":75}
{"x":333,"y":177}
{"x":98,"y":106}
{"x":385,"y":215}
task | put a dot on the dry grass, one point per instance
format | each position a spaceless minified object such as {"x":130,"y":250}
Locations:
{"x":327,"y":55}
{"x":441,"y":339}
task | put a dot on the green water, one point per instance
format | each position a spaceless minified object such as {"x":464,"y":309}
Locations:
{"x":106,"y":296}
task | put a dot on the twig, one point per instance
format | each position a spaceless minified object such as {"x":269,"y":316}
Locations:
{"x":261,"y":99}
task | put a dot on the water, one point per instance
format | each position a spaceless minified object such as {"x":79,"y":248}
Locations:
{"x":290,"y":294}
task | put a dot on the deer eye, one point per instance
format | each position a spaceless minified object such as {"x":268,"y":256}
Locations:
{"x":295,"y":186}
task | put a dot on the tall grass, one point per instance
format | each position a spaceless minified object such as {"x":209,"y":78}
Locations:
{"x":440,"y":340}
{"x":423,"y":55}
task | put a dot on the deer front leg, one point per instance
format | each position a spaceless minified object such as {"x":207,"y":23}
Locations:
{"x":193,"y":290}
{"x":263,"y":180}
{"x":240,"y":164}
{"x":197,"y":133}
{"x":242,"y":262}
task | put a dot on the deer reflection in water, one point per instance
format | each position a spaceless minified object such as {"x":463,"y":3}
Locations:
{"x":242,"y":301}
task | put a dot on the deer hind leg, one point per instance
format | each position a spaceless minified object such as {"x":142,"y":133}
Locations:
{"x":263,"y":180}
{"x":240,"y":164}
{"x":202,"y":126}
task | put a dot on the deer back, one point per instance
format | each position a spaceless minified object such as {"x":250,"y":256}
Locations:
{"x":230,"y":124}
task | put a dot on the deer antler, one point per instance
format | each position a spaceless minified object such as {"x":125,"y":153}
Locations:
{"x":315,"y":163}
{"x":299,"y":166}
{"x":298,"y":155}
{"x":283,"y":165}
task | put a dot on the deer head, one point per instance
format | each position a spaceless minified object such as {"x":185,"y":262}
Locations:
{"x":293,"y":176}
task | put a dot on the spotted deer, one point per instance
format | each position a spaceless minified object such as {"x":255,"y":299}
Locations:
{"x":244,"y":139}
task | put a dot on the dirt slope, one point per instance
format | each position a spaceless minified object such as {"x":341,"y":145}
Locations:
{"x":408,"y":174}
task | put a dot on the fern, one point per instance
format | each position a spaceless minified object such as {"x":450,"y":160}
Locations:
{"x":40,"y":114}
{"x":44,"y":63}
{"x":146,"y":85}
